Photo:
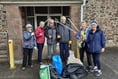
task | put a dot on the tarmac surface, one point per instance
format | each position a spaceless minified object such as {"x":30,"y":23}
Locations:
{"x":109,"y":64}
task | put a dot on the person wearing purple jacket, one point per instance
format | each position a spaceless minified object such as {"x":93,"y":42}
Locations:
{"x":29,"y":43}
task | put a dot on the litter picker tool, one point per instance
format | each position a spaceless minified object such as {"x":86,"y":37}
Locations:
{"x":64,"y":25}
{"x":46,"y":22}
{"x":73,"y":24}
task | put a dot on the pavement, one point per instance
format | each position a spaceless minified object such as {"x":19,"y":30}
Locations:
{"x":109,"y":64}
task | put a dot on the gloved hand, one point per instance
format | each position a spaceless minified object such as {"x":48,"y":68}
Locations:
{"x":58,"y":36}
{"x":35,"y":48}
{"x":103,"y":49}
{"x":70,"y":41}
{"x":32,"y":33}
{"x":50,"y":36}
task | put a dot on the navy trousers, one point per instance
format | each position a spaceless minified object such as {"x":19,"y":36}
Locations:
{"x":64,"y":51}
{"x":40,"y":49}
{"x":96,"y":60}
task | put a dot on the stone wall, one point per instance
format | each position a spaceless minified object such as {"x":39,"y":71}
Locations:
{"x":3,"y":26}
{"x":3,"y":35}
{"x":14,"y":24}
{"x":105,"y":12}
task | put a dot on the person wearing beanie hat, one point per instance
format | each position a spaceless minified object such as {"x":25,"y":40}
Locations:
{"x":28,"y":45}
{"x":94,"y":23}
{"x":94,"y":26}
{"x":96,"y":45}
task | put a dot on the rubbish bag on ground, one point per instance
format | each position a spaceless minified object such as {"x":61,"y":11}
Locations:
{"x":57,"y":63}
{"x":73,"y":59}
{"x":54,"y":74}
{"x":44,"y":72}
{"x":74,"y":71}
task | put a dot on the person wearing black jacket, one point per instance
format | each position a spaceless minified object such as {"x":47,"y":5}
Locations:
{"x":51,"y":34}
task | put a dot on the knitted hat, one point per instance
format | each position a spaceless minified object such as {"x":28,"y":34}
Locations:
{"x":94,"y":23}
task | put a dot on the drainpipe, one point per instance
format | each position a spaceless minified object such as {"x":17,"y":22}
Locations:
{"x":82,"y":9}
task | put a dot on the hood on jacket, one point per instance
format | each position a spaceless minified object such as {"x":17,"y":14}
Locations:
{"x":98,"y":29}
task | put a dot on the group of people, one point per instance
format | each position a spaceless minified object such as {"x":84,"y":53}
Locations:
{"x":54,"y":32}
{"x":91,"y":40}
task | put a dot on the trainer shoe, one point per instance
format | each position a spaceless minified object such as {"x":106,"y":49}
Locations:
{"x":31,"y":66}
{"x":95,"y":68}
{"x":23,"y":68}
{"x":90,"y":69}
{"x":98,"y":73}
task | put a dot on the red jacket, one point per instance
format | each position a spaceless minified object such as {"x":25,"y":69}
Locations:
{"x":39,"y":34}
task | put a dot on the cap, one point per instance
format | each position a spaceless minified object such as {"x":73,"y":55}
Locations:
{"x":28,"y":25}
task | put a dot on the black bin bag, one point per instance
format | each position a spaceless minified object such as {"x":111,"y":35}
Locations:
{"x":74,"y":71}
{"x":54,"y":74}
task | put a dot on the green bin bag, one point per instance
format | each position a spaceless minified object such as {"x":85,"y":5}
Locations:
{"x":44,"y":72}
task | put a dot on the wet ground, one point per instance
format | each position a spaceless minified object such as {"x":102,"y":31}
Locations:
{"x":109,"y":63}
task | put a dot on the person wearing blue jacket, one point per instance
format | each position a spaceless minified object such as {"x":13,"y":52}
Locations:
{"x":82,"y":44}
{"x":65,"y":38}
{"x":29,"y":43}
{"x":96,"y":44}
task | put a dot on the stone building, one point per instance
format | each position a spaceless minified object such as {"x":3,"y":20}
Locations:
{"x":14,"y":14}
{"x":105,"y":12}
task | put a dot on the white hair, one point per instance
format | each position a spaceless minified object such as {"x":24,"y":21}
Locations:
{"x":42,"y":22}
{"x":63,"y":17}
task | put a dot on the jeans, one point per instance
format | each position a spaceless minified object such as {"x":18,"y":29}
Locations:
{"x":64,"y":51}
{"x":50,"y":47}
{"x":27,"y":56}
{"x":40,"y":49}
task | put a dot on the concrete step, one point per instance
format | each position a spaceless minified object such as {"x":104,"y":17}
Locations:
{"x":3,"y":56}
